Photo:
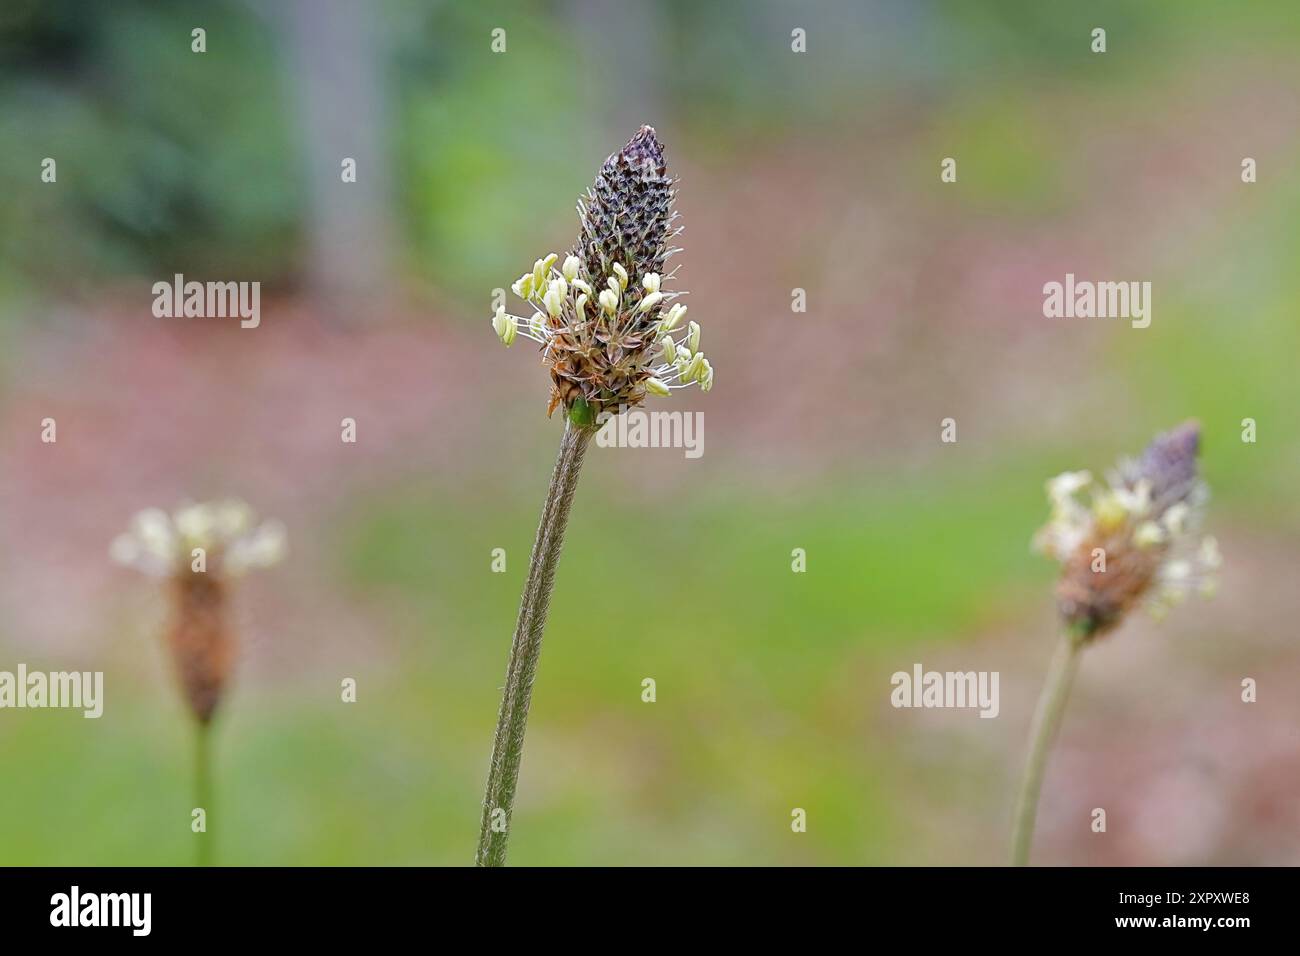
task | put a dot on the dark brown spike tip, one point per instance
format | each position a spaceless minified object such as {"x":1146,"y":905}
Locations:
{"x":625,"y":218}
{"x":644,"y":149}
{"x":1187,"y":434}
{"x":1169,"y":462}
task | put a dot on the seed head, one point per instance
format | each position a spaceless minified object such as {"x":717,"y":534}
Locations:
{"x":605,"y":319}
{"x":1137,"y":538}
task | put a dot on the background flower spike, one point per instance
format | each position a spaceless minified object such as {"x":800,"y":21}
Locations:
{"x":1134,"y":541}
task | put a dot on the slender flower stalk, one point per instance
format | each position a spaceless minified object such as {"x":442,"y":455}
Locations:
{"x":1135,"y":542}
{"x":203,"y":788}
{"x":197,"y":549}
{"x":1047,"y":721}
{"x":508,"y":746}
{"x":610,"y":332}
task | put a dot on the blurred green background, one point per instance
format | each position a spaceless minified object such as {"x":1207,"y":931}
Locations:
{"x":816,"y":170}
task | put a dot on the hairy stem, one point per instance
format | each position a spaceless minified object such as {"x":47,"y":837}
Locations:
{"x":1047,"y":720}
{"x":512,"y":721}
{"x":203,"y":790}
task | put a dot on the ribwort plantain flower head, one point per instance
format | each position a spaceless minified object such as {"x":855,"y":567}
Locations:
{"x":1133,"y":539}
{"x":609,"y":327}
{"x":198,"y":548}
{"x":162,"y":544}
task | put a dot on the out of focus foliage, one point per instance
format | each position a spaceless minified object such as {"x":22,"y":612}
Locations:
{"x":173,"y":161}
{"x":167,"y":160}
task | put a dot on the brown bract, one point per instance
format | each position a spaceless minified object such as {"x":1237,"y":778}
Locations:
{"x":1094,"y":602}
{"x":202,"y":645}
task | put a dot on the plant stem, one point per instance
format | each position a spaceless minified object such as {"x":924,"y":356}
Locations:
{"x":512,"y":721}
{"x":203,"y":789}
{"x":1047,"y":720}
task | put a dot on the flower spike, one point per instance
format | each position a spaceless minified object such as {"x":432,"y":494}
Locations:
{"x":601,"y":361}
{"x":1143,"y":523}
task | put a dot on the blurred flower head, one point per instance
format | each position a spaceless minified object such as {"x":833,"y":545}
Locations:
{"x":1133,"y":539}
{"x":201,"y":641}
{"x":162,"y":544}
{"x":609,"y":327}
